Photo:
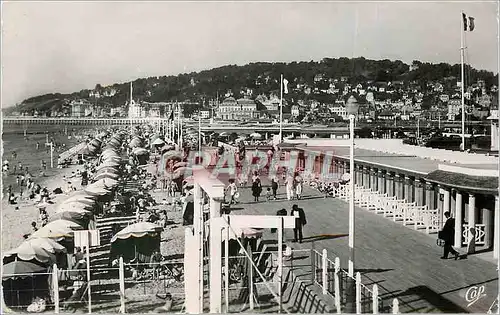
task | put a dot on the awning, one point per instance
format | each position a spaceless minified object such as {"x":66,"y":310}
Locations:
{"x":479,"y":184}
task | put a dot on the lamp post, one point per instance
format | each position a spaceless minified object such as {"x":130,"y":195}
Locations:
{"x":352,"y":110}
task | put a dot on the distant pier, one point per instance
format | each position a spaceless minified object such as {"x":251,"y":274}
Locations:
{"x":79,"y":121}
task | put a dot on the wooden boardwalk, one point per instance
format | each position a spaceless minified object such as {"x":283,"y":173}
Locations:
{"x":404,"y":263}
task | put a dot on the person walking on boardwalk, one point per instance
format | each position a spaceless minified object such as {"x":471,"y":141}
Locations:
{"x":447,"y":234}
{"x":274,"y":187}
{"x":298,"y":185}
{"x":300,"y":221}
{"x":289,"y":187}
{"x":256,"y":189}
{"x":233,"y":190}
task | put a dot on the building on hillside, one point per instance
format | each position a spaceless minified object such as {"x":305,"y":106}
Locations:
{"x":205,"y":114}
{"x":242,"y":109}
{"x":80,"y":108}
{"x":454,"y":106}
{"x":339,"y":110}
{"x":136,"y":110}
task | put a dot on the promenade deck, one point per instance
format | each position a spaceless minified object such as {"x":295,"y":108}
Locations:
{"x":404,"y":263}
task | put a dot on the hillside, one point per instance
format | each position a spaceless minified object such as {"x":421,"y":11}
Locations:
{"x":264,"y":78}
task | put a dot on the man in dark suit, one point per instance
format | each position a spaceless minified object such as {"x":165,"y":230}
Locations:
{"x":447,"y":234}
{"x":300,"y":221}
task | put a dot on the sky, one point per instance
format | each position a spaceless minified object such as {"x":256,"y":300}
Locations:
{"x":66,"y":46}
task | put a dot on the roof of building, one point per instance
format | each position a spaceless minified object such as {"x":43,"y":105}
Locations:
{"x":463,"y":181}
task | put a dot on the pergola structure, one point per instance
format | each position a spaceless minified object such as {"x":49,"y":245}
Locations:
{"x":220,"y":228}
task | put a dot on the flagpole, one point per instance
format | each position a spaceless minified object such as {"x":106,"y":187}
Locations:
{"x":199,"y":132}
{"x":462,"y":75}
{"x":281,"y":110}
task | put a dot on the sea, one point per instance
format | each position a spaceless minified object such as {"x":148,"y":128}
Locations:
{"x":27,"y":154}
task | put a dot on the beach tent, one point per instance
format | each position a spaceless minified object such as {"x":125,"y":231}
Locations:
{"x":58,"y":229}
{"x":23,"y":281}
{"x":136,"y":242}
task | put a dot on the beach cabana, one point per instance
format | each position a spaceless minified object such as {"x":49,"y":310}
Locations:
{"x":136,"y":242}
{"x":22,"y":281}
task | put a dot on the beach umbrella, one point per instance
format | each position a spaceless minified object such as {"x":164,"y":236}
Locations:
{"x":137,"y":230}
{"x":57,"y":229}
{"x":106,"y":175}
{"x":109,"y":151}
{"x":140,"y":151}
{"x":95,"y":143}
{"x":29,"y":253}
{"x":107,"y":163}
{"x":21,"y":269}
{"x":256,"y":135}
{"x":74,"y":207}
{"x":114,"y":159}
{"x":97,"y":191}
{"x":81,"y":193}
{"x":81,"y":199}
{"x":40,"y":249}
{"x":223,"y":134}
{"x":78,"y":217}
{"x":172,"y":154}
{"x":158,"y":141}
{"x":108,"y":170}
{"x":106,"y":183}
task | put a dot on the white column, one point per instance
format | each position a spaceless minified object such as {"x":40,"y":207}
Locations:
{"x":446,"y":201}
{"x":198,"y":235}
{"x":458,"y":219}
{"x":496,"y":231}
{"x":472,"y":224}
{"x":215,"y":267}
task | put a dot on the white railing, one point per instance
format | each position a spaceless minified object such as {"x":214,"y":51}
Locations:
{"x":480,"y":234}
{"x":366,"y":300}
{"x":409,"y":213}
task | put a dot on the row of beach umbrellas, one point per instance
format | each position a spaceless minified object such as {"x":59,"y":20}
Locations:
{"x":39,"y":251}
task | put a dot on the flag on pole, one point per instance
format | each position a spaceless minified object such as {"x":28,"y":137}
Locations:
{"x":285,"y":86}
{"x":468,"y":22}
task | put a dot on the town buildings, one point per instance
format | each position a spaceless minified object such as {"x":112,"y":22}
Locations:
{"x":241,"y":109}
